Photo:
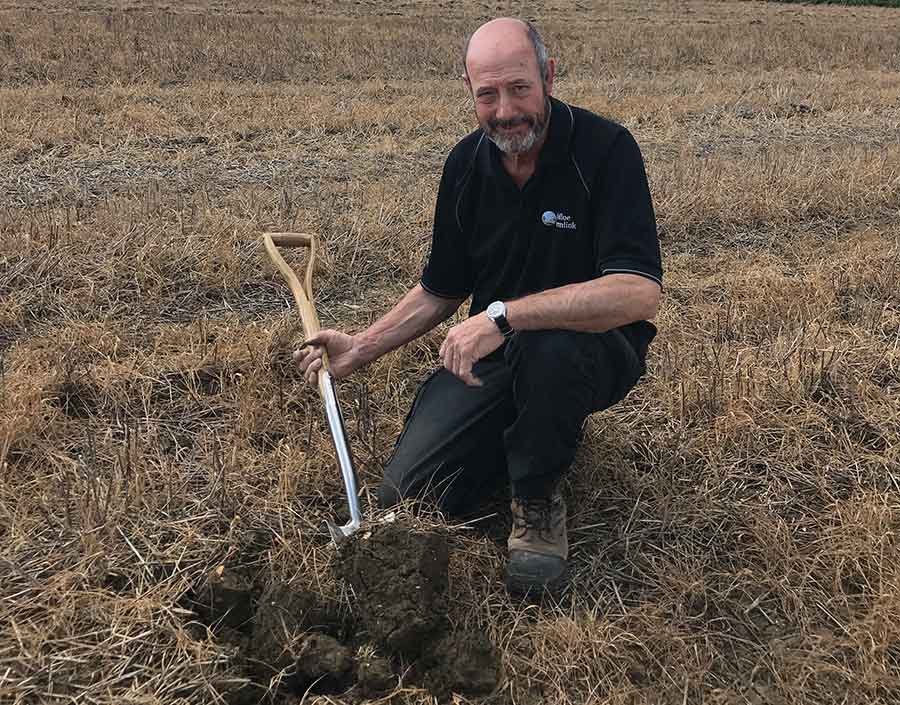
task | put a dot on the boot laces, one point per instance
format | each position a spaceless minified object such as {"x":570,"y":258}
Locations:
{"x":534,"y":515}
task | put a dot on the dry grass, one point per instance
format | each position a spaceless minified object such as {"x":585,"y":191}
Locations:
{"x":734,"y":521}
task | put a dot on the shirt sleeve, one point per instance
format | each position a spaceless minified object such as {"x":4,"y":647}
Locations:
{"x":626,"y":237}
{"x":447,"y":272}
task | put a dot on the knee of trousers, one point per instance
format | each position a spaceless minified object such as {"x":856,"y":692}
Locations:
{"x":387,"y":495}
{"x":451,"y":493}
{"x":396,"y":482}
{"x":417,"y":483}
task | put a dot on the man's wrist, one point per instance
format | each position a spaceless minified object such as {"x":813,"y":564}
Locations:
{"x":365,"y":348}
{"x":514,"y":314}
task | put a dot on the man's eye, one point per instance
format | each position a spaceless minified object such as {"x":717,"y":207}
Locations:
{"x":521,"y":89}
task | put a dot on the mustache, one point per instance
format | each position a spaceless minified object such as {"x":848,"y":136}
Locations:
{"x":512,"y":122}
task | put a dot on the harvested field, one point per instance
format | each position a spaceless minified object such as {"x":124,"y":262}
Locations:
{"x":164,"y":472}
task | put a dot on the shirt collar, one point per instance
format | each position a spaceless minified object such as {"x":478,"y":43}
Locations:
{"x":559,"y":134}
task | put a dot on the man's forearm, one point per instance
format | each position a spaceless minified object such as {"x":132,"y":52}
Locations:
{"x":414,"y":315}
{"x":593,"y":306}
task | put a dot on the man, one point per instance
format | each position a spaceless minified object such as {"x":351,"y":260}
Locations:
{"x":544,"y":218}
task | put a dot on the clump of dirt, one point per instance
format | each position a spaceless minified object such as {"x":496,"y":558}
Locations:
{"x":323,"y":662}
{"x":283,"y":634}
{"x":461,"y":662}
{"x":374,"y":676}
{"x":284,"y":614}
{"x":399,"y":577}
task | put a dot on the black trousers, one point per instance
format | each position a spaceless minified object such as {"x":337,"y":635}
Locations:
{"x":522,"y":426}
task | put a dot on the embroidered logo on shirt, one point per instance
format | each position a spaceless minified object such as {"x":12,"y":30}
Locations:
{"x":559,"y":220}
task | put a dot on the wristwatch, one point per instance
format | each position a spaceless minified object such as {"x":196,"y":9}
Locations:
{"x":497,"y":313}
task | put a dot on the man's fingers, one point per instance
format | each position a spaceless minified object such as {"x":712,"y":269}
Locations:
{"x":470,"y":379}
{"x":310,"y":346}
{"x":312,"y":371}
{"x":461,"y":366}
{"x":304,"y":358}
{"x":447,"y":356}
{"x":314,"y":345}
{"x":458,"y":363}
{"x":321,"y":338}
{"x":466,"y":374}
{"x":453,"y":361}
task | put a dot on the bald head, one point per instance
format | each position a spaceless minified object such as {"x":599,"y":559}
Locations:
{"x":505,"y":41}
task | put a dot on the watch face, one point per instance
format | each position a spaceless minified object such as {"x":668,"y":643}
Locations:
{"x":496,"y":309}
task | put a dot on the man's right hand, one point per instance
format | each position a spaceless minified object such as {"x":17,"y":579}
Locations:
{"x":344,"y":356}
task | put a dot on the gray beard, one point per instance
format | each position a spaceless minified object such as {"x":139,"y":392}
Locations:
{"x":519,"y":144}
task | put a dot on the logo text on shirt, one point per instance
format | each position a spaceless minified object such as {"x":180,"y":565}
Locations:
{"x":559,"y":220}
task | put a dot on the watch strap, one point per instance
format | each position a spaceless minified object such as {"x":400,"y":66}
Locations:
{"x":501,"y":323}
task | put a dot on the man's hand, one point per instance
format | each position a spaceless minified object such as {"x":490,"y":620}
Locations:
{"x":467,"y":343}
{"x":344,"y":356}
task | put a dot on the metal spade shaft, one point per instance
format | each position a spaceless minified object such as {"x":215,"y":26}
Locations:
{"x":303,"y":296}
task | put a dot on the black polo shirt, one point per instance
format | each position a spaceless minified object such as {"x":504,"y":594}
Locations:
{"x":585,"y":212}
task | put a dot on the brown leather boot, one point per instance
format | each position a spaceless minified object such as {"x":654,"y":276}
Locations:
{"x":538,"y":546}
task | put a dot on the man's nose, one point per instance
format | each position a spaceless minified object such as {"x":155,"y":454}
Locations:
{"x":505,"y":107}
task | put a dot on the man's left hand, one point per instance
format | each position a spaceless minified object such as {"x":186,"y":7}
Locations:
{"x":467,"y":343}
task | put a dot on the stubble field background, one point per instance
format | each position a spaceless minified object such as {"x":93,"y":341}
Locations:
{"x":734,"y":521}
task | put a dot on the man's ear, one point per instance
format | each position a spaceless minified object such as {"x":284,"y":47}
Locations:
{"x":468,"y":83}
{"x":550,"y":75}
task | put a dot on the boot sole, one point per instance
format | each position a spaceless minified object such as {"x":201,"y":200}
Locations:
{"x":526,"y":587}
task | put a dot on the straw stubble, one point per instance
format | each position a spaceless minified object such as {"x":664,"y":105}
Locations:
{"x":733,"y":522}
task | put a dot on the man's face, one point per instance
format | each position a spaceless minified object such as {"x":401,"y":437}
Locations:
{"x":510,"y":98}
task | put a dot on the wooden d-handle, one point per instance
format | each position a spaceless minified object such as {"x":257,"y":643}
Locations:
{"x":292,"y":239}
{"x":303,"y":293}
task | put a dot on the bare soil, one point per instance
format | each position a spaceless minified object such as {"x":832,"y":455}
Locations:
{"x":288,"y":641}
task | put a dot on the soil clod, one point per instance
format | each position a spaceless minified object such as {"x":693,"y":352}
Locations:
{"x":374,"y":676}
{"x":323,"y":665}
{"x":399,"y":576}
{"x":284,"y":614}
{"x":461,"y":662}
